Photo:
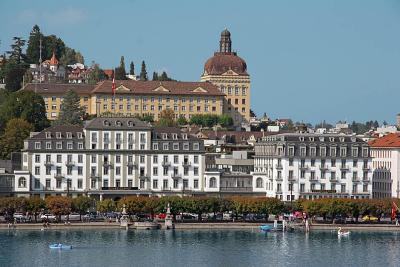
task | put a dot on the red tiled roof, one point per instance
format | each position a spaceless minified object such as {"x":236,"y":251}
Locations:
{"x":109,"y":73}
{"x":158,"y":88}
{"x":59,"y":88}
{"x":390,"y":140}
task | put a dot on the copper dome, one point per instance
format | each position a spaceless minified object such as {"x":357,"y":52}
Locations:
{"x":222,"y":62}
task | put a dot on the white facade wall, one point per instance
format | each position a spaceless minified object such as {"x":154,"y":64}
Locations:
{"x":388,"y":158}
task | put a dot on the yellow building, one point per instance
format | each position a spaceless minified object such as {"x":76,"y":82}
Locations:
{"x":229,"y":72}
{"x":136,"y":97}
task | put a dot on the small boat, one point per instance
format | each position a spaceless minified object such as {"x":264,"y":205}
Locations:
{"x":265,"y":228}
{"x":60,"y":246}
{"x":343,"y":233}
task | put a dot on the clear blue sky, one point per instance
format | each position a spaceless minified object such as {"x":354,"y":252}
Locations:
{"x":308,"y":60}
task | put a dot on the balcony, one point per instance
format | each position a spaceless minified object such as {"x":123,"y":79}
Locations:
{"x":70,"y":163}
{"x":59,"y":176}
{"x":131,"y":164}
{"x":107,"y":164}
{"x":365,"y":168}
{"x":365,"y":180}
{"x":110,"y":188}
{"x":236,"y":189}
{"x":279,"y":178}
{"x":355,"y":179}
{"x":344,"y":168}
{"x":314,"y":179}
{"x":166,"y":164}
{"x":278,"y":166}
{"x":176,"y":176}
{"x":186,"y":164}
{"x":323,"y":167}
{"x":333,"y":179}
{"x":48,"y":163}
{"x":303,"y":167}
{"x":94,"y":176}
{"x":292,"y":179}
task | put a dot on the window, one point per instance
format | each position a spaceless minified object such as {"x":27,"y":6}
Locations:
{"x":155,"y":171}
{"x":196,"y":146}
{"x":48,"y":183}
{"x":213,"y":182}
{"x":176,"y":158}
{"x":165,"y":171}
{"x":118,"y":158}
{"x":48,"y":145}
{"x":48,"y":170}
{"x":59,"y":145}
{"x":80,"y":158}
{"x":117,"y":170}
{"x":196,"y":184}
{"x":37,"y":170}
{"x":195,"y":171}
{"x":37,"y":158}
{"x":141,"y":158}
{"x":186,"y":146}
{"x":37,"y":183}
{"x":259,"y":182}
{"x":58,"y":158}
{"x":196,"y":159}
{"x":37,"y":145}
{"x":155,"y":184}
{"x":105,"y":171}
{"x":94,"y":159}
{"x":22,"y":182}
{"x":80,"y":170}
{"x":58,"y":183}
{"x":155,"y":146}
{"x":175,"y":146}
{"x":176,"y":183}
{"x":165,"y":184}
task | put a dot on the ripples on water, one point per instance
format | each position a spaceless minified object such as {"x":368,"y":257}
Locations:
{"x":197,"y":248}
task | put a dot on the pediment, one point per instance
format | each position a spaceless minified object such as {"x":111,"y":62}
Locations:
{"x":229,"y":72}
{"x":161,"y":89}
{"x":122,"y":88}
{"x":200,"y":90}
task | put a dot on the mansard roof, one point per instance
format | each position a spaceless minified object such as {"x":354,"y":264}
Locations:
{"x":61,"y":129}
{"x":117,"y":123}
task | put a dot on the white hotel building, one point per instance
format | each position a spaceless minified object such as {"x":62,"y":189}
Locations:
{"x":311,"y":166}
{"x":111,"y":157}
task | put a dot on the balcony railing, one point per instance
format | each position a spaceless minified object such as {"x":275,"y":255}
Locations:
{"x":176,"y":176}
{"x":59,"y":176}
{"x":344,"y":168}
{"x":355,"y":179}
{"x":132,"y":164}
{"x":186,"y":164}
{"x":119,"y":188}
{"x":304,"y":167}
{"x":166,"y":164}
{"x":291,"y":179}
{"x":144,"y":177}
{"x":107,"y":164}
{"x":323,"y":167}
{"x":94,"y":176}
{"x":48,"y":163}
{"x":365,"y":168}
{"x":279,"y":178}
{"x":70,"y":163}
{"x":236,"y":189}
{"x":365,"y":179}
{"x":278,"y":166}
{"x":333,"y":179}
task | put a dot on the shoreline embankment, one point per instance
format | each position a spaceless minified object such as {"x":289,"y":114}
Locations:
{"x":205,"y":226}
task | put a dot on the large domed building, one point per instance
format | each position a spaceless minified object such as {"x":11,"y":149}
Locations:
{"x":229,"y":72}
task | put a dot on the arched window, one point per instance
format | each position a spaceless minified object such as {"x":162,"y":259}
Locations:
{"x":213,"y":182}
{"x":22,"y":182}
{"x":259,"y":182}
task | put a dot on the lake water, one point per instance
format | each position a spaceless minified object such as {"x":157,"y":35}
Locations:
{"x":115,"y":247}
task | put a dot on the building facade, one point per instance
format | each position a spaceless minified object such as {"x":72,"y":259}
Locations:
{"x":385,"y":152}
{"x":111,"y":157}
{"x":229,"y":72}
{"x":135,"y":98}
{"x":311,"y":166}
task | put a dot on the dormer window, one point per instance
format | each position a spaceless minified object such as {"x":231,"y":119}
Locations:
{"x":164,"y":136}
{"x":322,"y":139}
{"x":331,"y":139}
{"x":106,"y":123}
{"x":174,"y":136}
{"x":301,"y":138}
{"x":184,"y":136}
{"x":58,"y":135}
{"x":311,"y":139}
{"x":79,"y":135}
{"x":130,"y":124}
{"x":118,"y":123}
{"x":48,"y":135}
{"x":69,"y":135}
{"x":342,"y":139}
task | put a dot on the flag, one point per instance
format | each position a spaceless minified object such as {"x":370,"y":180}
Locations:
{"x":394,"y":210}
{"x":113,"y":85}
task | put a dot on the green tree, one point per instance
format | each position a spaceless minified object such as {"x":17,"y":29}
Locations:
{"x":81,"y":205}
{"x":167,"y":118}
{"x":35,"y":205}
{"x":120,"y":72}
{"x":71,"y":112}
{"x":106,"y":205}
{"x":53,"y":44}
{"x":17,"y":130}
{"x":96,"y":75}
{"x":16,"y":54}
{"x":155,"y":76}
{"x":33,"y":49}
{"x":143,"y":72}
{"x":14,"y":73}
{"x":26,"y":105}
{"x":182,"y":121}
{"x":10,"y":205}
{"x":132,"y":68}
{"x":225,"y":120}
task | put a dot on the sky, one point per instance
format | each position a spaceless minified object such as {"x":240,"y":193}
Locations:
{"x":309,"y":60}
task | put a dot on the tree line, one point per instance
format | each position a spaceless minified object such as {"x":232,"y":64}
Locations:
{"x":328,"y":208}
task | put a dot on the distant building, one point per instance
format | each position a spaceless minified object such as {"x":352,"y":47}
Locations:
{"x":311,"y":166}
{"x":228,"y":72}
{"x":385,"y":152}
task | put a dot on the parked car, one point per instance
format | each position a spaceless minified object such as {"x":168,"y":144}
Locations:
{"x":369,"y":218}
{"x":20,"y":217}
{"x":71,"y":217}
{"x":49,"y":217}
